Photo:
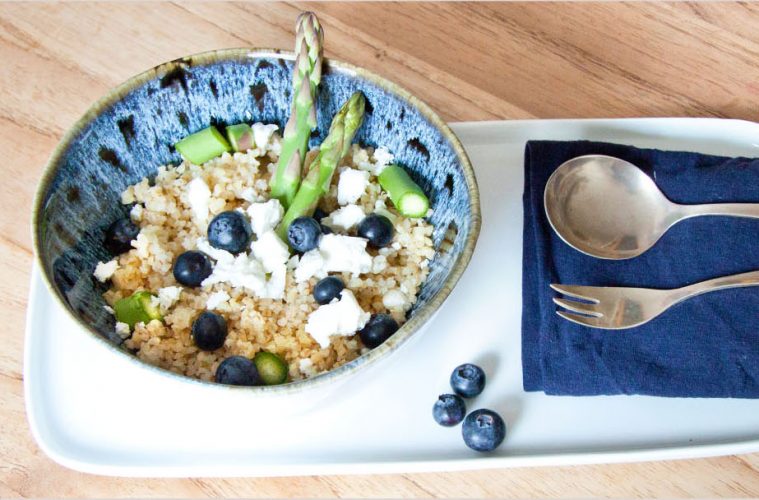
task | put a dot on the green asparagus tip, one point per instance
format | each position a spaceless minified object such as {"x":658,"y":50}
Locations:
{"x":202,"y":146}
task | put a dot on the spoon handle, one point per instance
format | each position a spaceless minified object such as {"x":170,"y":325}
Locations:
{"x":750,"y":210}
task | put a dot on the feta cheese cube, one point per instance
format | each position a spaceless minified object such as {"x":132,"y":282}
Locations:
{"x":395,"y":299}
{"x":199,"y":197}
{"x":343,"y":317}
{"x":168,"y":296}
{"x":345,"y":218}
{"x":265,"y":216}
{"x":270,"y":250}
{"x":345,"y":254}
{"x":122,"y":330}
{"x":310,"y":264}
{"x":262,"y":134}
{"x":216,"y":299}
{"x":104,"y":270}
{"x":351,"y":185}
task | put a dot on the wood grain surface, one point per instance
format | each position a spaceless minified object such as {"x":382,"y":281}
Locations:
{"x":470,"y":62}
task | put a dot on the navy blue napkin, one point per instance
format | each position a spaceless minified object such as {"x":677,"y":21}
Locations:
{"x":707,"y":346}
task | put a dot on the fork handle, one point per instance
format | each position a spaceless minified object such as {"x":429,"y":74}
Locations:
{"x":750,"y":278}
{"x":749,"y":210}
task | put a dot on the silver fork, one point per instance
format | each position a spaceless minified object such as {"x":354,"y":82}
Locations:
{"x":615,"y":308}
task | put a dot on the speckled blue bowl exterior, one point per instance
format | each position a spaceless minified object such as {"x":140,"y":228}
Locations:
{"x":129,"y":133}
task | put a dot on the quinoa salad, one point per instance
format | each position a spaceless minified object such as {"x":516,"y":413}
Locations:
{"x":266,"y":293}
{"x":256,"y":261}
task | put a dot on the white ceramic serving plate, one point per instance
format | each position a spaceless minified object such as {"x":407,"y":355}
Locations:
{"x":94,"y":412}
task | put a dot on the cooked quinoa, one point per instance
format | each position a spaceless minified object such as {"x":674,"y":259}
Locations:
{"x":168,"y":228}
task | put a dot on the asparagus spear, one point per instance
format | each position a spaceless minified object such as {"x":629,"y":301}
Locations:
{"x":240,"y":137}
{"x":335,"y":146}
{"x":405,"y":194}
{"x":202,"y":146}
{"x":306,"y":77}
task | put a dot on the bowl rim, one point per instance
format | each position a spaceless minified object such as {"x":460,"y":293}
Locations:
{"x":413,"y":325}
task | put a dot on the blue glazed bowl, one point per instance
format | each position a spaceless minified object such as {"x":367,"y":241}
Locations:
{"x":125,"y":136}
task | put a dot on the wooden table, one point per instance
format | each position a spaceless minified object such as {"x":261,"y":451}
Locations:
{"x":470,"y":62}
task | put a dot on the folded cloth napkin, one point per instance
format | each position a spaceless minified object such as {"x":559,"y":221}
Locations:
{"x":707,"y":346}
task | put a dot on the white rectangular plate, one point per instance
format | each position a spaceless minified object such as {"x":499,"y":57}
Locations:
{"x":91,"y":412}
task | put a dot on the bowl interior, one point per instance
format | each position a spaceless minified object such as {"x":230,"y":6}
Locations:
{"x":128,"y":134}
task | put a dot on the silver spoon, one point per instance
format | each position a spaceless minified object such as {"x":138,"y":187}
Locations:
{"x":610,"y":209}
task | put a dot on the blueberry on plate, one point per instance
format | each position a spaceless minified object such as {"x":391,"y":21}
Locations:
{"x":378,"y":329}
{"x":468,"y":380}
{"x":483,"y":430}
{"x":304,"y":234}
{"x":237,"y":370}
{"x":327,"y":289}
{"x":449,"y":410}
{"x":209,"y":331}
{"x":119,"y":236}
{"x":230,"y":231}
{"x":377,"y":229}
{"x":191,"y":268}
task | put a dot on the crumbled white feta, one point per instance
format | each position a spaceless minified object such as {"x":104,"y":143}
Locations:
{"x":241,"y":271}
{"x":351,"y":185}
{"x":395,"y":299}
{"x":345,"y":218}
{"x":104,"y":270}
{"x":343,"y":317}
{"x":382,"y":158}
{"x":216,"y":299}
{"x":262,"y":134}
{"x":108,"y":309}
{"x":136,"y":213}
{"x":265,"y":216}
{"x":122,"y":330}
{"x":336,"y":253}
{"x":270,"y":250}
{"x":199,"y":196}
{"x":168,"y":296}
{"x":248,"y":194}
{"x":306,"y":367}
{"x":293,"y":262}
{"x":275,"y":285}
{"x":310,"y":264}
{"x":345,"y":254}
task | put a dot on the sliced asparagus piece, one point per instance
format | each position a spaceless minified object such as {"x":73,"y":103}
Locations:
{"x":335,"y":146}
{"x":137,"y":308}
{"x":240,"y":137}
{"x":306,"y":76}
{"x":202,"y":146}
{"x":405,"y":194}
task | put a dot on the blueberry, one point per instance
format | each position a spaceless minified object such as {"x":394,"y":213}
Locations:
{"x":209,"y":331}
{"x":378,"y":329}
{"x":483,"y":430}
{"x":304,"y":234}
{"x":327,"y":289}
{"x":229,"y":231}
{"x":448,"y":410}
{"x":191,"y":268}
{"x":119,"y":236}
{"x":468,"y":380}
{"x":377,"y":229}
{"x":237,"y":370}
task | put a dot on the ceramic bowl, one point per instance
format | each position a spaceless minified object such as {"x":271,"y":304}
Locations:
{"x":127,"y":134}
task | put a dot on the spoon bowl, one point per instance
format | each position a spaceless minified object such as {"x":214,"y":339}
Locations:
{"x":609,"y":208}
